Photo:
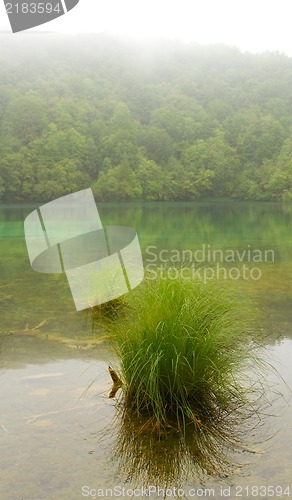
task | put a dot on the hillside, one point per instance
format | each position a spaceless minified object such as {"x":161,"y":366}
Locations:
{"x":155,"y":121}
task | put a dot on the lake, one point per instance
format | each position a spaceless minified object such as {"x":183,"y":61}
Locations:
{"x":59,"y":431}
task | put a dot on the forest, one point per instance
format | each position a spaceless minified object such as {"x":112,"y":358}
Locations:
{"x":153,"y":121}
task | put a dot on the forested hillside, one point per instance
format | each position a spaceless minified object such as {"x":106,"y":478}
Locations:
{"x":159,"y":121}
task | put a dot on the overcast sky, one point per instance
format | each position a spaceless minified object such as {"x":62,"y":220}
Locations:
{"x":253,"y":25}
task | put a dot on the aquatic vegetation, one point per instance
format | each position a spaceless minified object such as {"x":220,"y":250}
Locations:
{"x":184,"y":350}
{"x":103,"y":317}
{"x":106,"y":310}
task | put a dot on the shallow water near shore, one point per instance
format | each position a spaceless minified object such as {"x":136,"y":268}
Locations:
{"x":59,"y":431}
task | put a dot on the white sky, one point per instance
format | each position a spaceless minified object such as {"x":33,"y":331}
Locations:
{"x":253,"y":25}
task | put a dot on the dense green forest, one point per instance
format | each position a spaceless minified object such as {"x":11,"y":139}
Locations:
{"x":151,"y":121}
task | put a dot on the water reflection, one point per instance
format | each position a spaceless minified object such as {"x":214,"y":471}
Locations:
{"x":163,"y":458}
{"x":148,"y":454}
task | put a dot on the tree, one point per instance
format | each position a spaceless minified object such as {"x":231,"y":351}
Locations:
{"x":25,"y":118}
{"x":213,"y":163}
{"x":157,"y":144}
{"x":276,"y":182}
{"x":117,"y":183}
{"x":261,"y":139}
{"x":151,"y":179}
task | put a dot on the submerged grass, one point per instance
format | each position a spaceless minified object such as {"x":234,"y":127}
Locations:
{"x":104,"y":315}
{"x":182,"y":349}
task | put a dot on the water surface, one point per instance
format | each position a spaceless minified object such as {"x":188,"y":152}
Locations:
{"x":58,"y":429}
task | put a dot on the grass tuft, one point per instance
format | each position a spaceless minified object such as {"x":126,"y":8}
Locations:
{"x":182,"y":349}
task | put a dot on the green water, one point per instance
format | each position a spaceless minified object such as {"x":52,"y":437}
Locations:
{"x":173,"y":232}
{"x":50,"y":427}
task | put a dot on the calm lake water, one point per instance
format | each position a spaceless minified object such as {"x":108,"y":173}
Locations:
{"x":58,"y":429}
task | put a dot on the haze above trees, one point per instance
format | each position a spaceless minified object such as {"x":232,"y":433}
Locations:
{"x":156,"y":121}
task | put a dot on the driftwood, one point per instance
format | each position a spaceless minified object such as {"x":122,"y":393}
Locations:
{"x":117,"y":383}
{"x":84,"y":344}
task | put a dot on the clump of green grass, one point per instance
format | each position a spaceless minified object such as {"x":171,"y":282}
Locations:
{"x":181,"y":351}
